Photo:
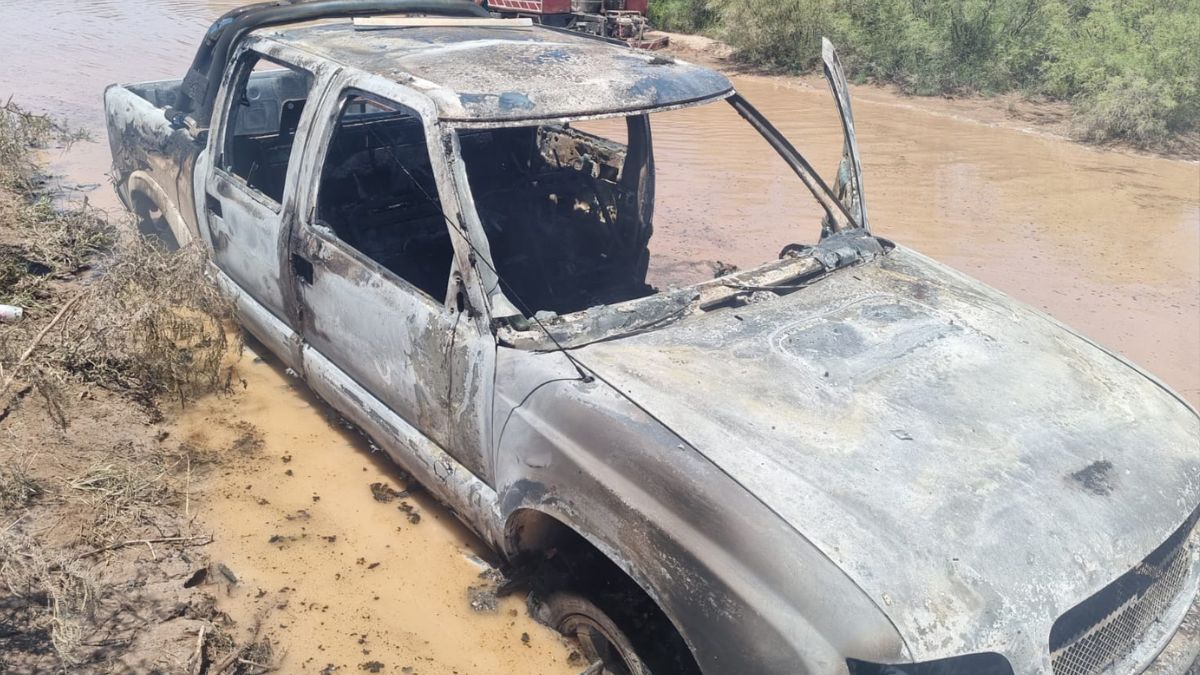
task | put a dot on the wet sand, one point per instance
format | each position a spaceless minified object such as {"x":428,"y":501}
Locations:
{"x":339,"y":577}
{"x":1107,"y":242}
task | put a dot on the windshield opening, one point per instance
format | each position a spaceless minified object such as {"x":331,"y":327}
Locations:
{"x":605,"y":211}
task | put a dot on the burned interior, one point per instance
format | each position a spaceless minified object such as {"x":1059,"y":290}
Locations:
{"x":561,"y":207}
{"x":269,"y":98}
{"x":567,"y":213}
{"x":378,"y":193}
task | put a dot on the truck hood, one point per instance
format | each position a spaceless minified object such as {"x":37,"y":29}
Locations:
{"x":974,"y":466}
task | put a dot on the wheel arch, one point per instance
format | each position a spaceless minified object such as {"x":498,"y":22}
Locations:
{"x":141,"y":184}
{"x":533,"y":531}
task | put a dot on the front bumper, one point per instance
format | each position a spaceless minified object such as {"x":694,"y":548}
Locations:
{"x":1181,"y":656}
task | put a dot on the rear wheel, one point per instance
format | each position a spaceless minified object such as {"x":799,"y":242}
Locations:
{"x":152,"y":222}
{"x":605,"y":648}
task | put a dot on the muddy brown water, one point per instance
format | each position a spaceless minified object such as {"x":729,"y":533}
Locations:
{"x":1107,"y":242}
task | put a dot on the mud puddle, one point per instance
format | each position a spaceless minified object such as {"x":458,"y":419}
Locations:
{"x":341,"y":573}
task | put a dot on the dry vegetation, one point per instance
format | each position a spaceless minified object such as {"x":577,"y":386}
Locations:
{"x":97,"y":544}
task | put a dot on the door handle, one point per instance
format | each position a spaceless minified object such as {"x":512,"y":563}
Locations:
{"x":213,"y":205}
{"x":303,"y":268}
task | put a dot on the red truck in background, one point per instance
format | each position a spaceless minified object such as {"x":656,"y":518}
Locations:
{"x":620,"y":19}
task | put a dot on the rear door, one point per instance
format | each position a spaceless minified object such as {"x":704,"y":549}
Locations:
{"x":374,"y":257}
{"x":249,"y":193}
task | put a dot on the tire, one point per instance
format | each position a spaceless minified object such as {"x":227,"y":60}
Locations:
{"x":152,"y":223}
{"x":605,"y":647}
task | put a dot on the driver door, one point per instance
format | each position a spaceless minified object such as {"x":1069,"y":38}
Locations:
{"x":373,"y":255}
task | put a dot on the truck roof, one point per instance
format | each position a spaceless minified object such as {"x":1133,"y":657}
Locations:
{"x":506,"y":74}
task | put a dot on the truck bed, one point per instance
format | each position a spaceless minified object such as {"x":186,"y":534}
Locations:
{"x":152,"y":160}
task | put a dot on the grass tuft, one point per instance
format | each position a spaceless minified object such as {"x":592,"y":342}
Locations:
{"x":18,"y":487}
{"x":65,"y":586}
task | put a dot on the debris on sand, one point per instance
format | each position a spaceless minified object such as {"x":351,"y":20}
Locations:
{"x":386,"y":494}
{"x":300,"y":514}
{"x":198,"y":577}
{"x":249,"y":440}
{"x":372,"y":666}
{"x":411,"y":512}
{"x":484,"y":597}
{"x":227,"y":573}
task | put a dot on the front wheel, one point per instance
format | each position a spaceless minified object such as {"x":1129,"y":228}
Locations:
{"x":605,"y":648}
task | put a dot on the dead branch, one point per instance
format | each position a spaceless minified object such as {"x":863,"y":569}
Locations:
{"x":198,"y":657}
{"x":230,"y":660}
{"x":62,"y":313}
{"x":14,"y":523}
{"x":234,"y":657}
{"x":262,"y":667}
{"x":146,"y":542}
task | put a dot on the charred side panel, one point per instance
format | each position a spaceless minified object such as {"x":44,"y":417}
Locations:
{"x":149,"y":155}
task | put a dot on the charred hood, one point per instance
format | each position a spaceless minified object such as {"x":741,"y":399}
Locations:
{"x":972,"y":464}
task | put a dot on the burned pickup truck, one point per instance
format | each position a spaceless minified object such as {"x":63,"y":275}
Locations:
{"x":846,"y":458}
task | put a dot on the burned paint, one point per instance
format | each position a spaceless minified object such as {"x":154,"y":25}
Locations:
{"x":816,"y":459}
{"x":560,"y":74}
{"x":1096,"y":478}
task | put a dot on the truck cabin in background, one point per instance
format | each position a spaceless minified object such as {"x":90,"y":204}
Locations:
{"x":619,"y":19}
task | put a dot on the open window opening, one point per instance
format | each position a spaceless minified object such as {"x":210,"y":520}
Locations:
{"x":265,"y":110}
{"x":378,"y":193}
{"x":567,"y":212}
{"x":604,"y":211}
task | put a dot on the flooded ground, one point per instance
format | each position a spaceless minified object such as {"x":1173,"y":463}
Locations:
{"x":1108,"y":243}
{"x":345,"y":575}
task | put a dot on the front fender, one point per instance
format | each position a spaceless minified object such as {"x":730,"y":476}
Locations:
{"x":745,"y":591}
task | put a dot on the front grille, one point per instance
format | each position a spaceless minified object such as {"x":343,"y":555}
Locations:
{"x":1109,"y":626}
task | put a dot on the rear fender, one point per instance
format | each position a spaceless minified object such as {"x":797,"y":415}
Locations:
{"x":142,"y":182}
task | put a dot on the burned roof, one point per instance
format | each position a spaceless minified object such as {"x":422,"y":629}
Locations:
{"x":499,"y":73}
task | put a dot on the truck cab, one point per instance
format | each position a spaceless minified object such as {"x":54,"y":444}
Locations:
{"x":446,"y":224}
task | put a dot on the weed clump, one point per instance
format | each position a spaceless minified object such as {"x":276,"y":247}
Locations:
{"x":64,"y":585}
{"x":122,"y":493}
{"x":22,"y":133}
{"x":148,"y":325}
{"x":152,"y":326}
{"x":18,"y":488}
{"x":113,"y":311}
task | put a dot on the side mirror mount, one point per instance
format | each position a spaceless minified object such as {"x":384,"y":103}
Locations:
{"x":849,"y":184}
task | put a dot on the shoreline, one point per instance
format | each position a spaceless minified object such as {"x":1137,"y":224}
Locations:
{"x":1013,"y":111}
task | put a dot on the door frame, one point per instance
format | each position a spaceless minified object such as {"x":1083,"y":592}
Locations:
{"x":279,"y":332}
{"x":444,"y":159}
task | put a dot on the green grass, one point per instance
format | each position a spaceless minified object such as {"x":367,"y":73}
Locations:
{"x":684,"y":16}
{"x":1130,"y":67}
